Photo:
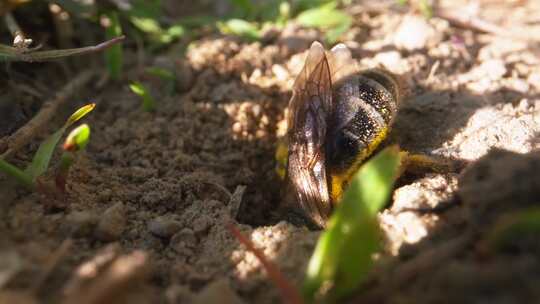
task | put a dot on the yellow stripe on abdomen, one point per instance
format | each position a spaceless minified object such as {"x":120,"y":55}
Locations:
{"x":340,"y":180}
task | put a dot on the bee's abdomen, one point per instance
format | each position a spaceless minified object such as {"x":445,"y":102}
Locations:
{"x":388,"y":82}
{"x":366,"y":104}
{"x":379,"y":90}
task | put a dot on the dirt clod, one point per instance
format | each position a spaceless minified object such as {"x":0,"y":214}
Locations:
{"x":217,"y":292}
{"x":164,"y":227}
{"x":112,"y":223}
{"x":169,"y":182}
{"x":81,"y":223}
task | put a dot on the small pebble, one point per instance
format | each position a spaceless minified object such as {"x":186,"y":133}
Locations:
{"x":219,"y":291}
{"x":164,"y":227}
{"x":493,"y":69}
{"x":112,"y":223}
{"x":413,"y":33}
{"x":81,"y":223}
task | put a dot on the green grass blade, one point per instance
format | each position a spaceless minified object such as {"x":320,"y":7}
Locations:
{"x":162,"y":73}
{"x":323,"y":17}
{"x":240,"y":28}
{"x":146,"y":25}
{"x":43,"y":156}
{"x":343,"y":255}
{"x":148,"y":101}
{"x":113,"y":55}
{"x":16,"y":173}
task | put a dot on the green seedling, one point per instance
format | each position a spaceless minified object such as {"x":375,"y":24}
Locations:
{"x":145,"y":16}
{"x":328,"y":18}
{"x":113,"y":56}
{"x":284,"y":14}
{"x":75,"y":142}
{"x":155,"y":31}
{"x":148,"y":101}
{"x":241,"y":28}
{"x":43,"y":155}
{"x":17,"y":174}
{"x":162,"y":73}
{"x":344,"y":253}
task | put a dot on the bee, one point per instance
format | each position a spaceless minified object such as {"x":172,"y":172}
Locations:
{"x":338,"y":116}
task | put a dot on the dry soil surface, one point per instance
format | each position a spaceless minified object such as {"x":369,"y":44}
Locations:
{"x":169,"y":182}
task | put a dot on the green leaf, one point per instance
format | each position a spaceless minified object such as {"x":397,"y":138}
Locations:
{"x":324,"y":17}
{"x":78,"y":138}
{"x":43,"y":155}
{"x":156,"y":32}
{"x":113,"y":55}
{"x":148,"y":101}
{"x":162,"y":73}
{"x":80,"y":113}
{"x":172,"y":33}
{"x":284,"y":13}
{"x":343,"y":255}
{"x":16,"y":173}
{"x":332,"y":35}
{"x":240,"y":28}
{"x":146,"y":25}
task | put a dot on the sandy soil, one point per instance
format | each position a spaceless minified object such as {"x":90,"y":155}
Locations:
{"x":169,"y":182}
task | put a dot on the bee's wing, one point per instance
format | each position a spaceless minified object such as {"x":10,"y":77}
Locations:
{"x":309,"y":110}
{"x":341,"y":62}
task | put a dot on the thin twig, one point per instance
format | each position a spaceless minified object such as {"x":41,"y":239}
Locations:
{"x":288,"y":292}
{"x":235,"y":201}
{"x":432,"y":71}
{"x":22,"y":136}
{"x":8,"y":53}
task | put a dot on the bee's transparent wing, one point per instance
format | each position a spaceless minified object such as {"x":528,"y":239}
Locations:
{"x":341,"y":62}
{"x":309,"y":110}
